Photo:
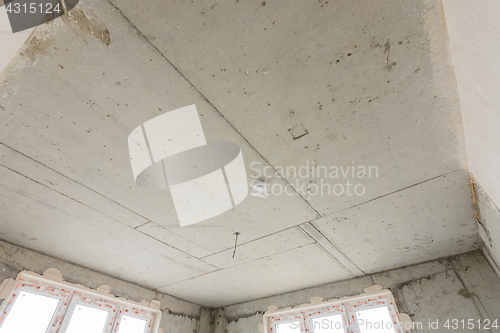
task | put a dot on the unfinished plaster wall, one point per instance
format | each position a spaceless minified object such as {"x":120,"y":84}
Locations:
{"x":178,"y":315}
{"x":474,"y":32}
{"x":462,"y":287}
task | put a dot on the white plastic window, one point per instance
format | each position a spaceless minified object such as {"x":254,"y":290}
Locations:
{"x":87,"y":319}
{"x":293,"y":323}
{"x":36,"y":308}
{"x":132,"y":321}
{"x":86,"y":314}
{"x":374,"y":314}
{"x":375,"y":320}
{"x":291,"y":327}
{"x":328,"y":324}
{"x":130,"y":324}
{"x":330,"y":319}
{"x":31,"y":312}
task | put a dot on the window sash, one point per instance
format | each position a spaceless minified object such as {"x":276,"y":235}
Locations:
{"x":70,"y":296}
{"x":325,"y":312}
{"x":371,"y":303}
{"x":345,"y":307}
{"x":287,"y":318}
{"x":135,"y":313}
{"x":90,"y":302}
{"x":42,"y":291}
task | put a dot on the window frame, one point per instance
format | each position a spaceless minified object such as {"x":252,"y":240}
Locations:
{"x":52,"y":284}
{"x":135,"y":313}
{"x":30,"y":288}
{"x":376,"y":301}
{"x":287,"y":318}
{"x":325,"y":311}
{"x":373,"y":297}
{"x":77,"y":299}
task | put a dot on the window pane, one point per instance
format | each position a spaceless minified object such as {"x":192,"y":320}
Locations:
{"x":375,"y":320}
{"x":293,"y":327}
{"x":328,"y":324}
{"x":38,"y":308}
{"x":131,"y":325}
{"x":86,"y":319}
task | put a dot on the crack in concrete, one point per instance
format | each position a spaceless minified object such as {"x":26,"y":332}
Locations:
{"x":226,"y":268}
{"x":87,"y":206}
{"x":65,"y":195}
{"x":393,"y":192}
{"x":59,"y":173}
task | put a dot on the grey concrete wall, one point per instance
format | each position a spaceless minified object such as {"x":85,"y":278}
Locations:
{"x":462,"y":287}
{"x":488,"y":226}
{"x":178,"y":315}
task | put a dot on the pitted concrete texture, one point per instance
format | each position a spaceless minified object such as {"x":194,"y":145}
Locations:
{"x":294,"y":83}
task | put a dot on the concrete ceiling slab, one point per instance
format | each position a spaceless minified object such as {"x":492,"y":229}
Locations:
{"x":279,"y":273}
{"x":406,"y":227}
{"x":369,"y":83}
{"x":32,"y":169}
{"x":260,"y":248}
{"x":166,"y":236}
{"x":83,"y":128}
{"x":335,"y":84}
{"x":54,"y":224}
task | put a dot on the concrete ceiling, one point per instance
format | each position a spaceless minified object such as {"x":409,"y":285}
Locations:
{"x":370,"y":82}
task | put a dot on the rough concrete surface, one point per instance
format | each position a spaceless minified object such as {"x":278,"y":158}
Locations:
{"x":334,"y":83}
{"x":178,"y":315}
{"x":463,"y":287}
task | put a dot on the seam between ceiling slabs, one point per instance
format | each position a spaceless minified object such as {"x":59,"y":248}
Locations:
{"x":353,"y":268}
{"x":314,"y":233}
{"x":309,"y":230}
{"x":230,"y":267}
{"x":67,"y":177}
{"x":90,"y":207}
{"x":356,"y":269}
{"x":208,"y":101}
